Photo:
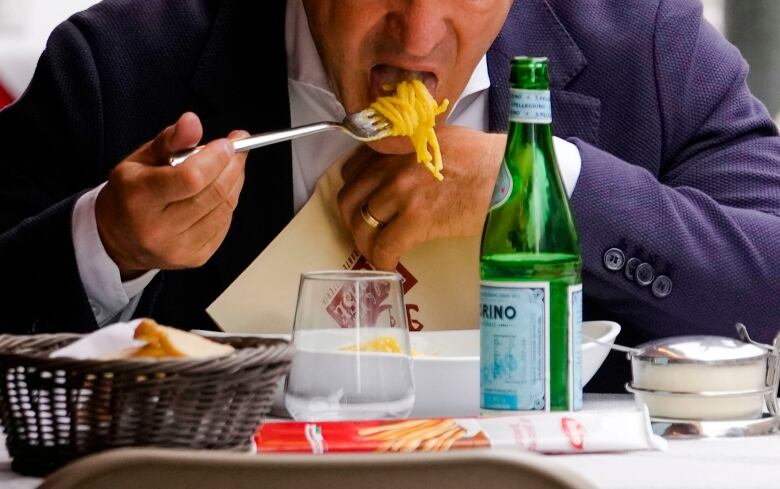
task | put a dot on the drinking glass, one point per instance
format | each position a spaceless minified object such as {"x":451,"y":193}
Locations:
{"x":353,"y":359}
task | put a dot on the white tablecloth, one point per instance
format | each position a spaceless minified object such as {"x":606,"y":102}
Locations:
{"x":22,"y":44}
{"x":746,"y":463}
{"x":736,"y":463}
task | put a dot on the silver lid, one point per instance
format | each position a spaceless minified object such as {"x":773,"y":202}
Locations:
{"x":713,"y":350}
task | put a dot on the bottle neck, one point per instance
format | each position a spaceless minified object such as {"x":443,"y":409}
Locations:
{"x":530,"y":106}
{"x":530,"y":116}
{"x":529,"y":211}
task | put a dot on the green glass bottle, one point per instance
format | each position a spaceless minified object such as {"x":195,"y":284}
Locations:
{"x":530,"y":265}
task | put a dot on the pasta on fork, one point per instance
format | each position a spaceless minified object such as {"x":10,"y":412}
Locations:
{"x":412,"y":112}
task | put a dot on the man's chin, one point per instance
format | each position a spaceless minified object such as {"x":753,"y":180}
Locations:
{"x":398,"y":145}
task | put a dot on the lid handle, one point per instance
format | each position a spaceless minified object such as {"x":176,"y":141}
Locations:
{"x":744,"y":336}
{"x":773,"y":376}
{"x":773,"y":367}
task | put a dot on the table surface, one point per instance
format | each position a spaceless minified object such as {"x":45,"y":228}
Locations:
{"x":747,"y":463}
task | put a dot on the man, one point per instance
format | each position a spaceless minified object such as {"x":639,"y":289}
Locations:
{"x":674,"y":166}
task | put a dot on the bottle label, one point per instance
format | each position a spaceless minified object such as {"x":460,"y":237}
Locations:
{"x":575,"y":347}
{"x":514,"y":344}
{"x":503,"y":189}
{"x":530,"y":106}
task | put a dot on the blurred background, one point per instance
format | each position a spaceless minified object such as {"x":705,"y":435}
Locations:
{"x":750,"y":24}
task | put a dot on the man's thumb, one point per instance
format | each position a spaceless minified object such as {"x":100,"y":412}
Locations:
{"x":184,"y":134}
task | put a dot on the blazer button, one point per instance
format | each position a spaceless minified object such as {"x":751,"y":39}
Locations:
{"x":644,"y":274}
{"x":662,"y":286}
{"x":614,"y":259}
{"x":631,"y":265}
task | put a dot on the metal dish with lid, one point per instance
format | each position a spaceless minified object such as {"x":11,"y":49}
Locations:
{"x":710,"y":380}
{"x":701,"y":349}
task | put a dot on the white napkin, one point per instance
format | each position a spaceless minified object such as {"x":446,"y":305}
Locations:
{"x":102,"y":343}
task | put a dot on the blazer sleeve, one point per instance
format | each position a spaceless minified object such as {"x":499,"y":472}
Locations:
{"x":710,"y":220}
{"x":50,"y":153}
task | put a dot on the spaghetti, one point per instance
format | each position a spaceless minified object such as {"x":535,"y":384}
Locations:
{"x":412,"y":112}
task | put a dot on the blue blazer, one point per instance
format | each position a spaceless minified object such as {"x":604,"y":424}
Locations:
{"x":680,"y":176}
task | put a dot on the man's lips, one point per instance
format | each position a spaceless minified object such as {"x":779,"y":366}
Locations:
{"x":386,"y":75}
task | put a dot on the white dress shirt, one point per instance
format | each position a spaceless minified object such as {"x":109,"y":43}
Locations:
{"x":311,"y":100}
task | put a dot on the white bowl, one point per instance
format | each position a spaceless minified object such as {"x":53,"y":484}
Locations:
{"x":447,"y":382}
{"x":595,"y":352}
{"x":446,"y":378}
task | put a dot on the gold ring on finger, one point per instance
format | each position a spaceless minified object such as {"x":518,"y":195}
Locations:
{"x":370,"y":219}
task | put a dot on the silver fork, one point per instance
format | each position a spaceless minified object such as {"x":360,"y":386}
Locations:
{"x":365,"y":126}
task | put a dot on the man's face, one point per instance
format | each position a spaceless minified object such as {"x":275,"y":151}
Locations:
{"x":368,"y":44}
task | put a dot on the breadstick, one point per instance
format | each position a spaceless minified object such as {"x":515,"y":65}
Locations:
{"x":441,"y":439}
{"x":385,"y":446}
{"x":411,"y":441}
{"x":407,"y":446}
{"x":388,"y":427}
{"x":428,"y":444}
{"x":452,"y":439}
{"x":394,"y":434}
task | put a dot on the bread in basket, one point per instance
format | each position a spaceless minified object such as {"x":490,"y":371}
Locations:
{"x":54,"y":410}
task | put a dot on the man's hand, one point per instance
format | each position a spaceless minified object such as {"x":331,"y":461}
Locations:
{"x":414,"y":205}
{"x":151,"y":215}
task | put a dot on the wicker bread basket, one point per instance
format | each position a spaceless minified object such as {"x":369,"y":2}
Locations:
{"x":57,"y":409}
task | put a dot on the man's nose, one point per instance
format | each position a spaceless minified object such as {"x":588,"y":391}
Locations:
{"x":422,"y":26}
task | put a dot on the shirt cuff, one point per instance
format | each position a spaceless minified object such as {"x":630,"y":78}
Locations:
{"x":569,"y":163}
{"x":108,"y":295}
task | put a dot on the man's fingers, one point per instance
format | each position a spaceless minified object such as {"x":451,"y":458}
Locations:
{"x":238,"y":134}
{"x":184,"y":134}
{"x":363,"y":234}
{"x":382,"y":206}
{"x":354,"y":193}
{"x":167,"y":184}
{"x":388,"y":199}
{"x":363,"y":156}
{"x":188,"y":131}
{"x":226,"y":189}
{"x":204,"y":237}
{"x":400,"y":235}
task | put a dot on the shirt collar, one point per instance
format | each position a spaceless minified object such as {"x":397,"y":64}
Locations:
{"x":305,"y":66}
{"x":479,"y":81}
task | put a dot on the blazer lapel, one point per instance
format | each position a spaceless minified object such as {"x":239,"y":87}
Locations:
{"x":533,"y":29}
{"x":239,"y":80}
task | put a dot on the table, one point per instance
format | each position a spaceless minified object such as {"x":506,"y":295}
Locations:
{"x":746,"y":463}
{"x":20,"y":48}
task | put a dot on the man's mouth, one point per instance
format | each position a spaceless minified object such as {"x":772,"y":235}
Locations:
{"x":385,"y":77}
